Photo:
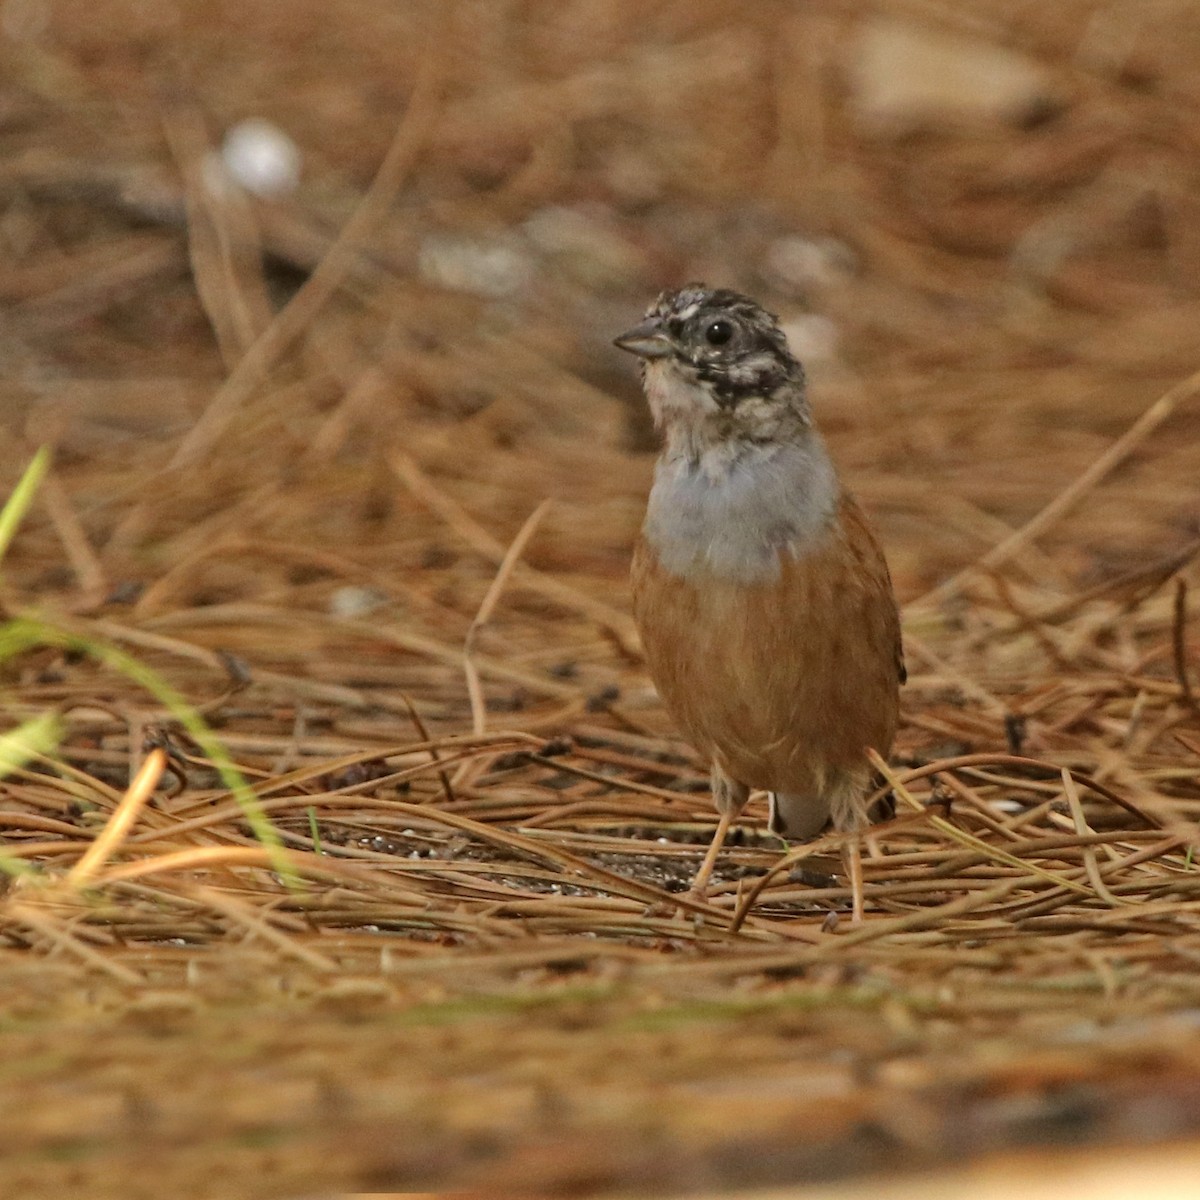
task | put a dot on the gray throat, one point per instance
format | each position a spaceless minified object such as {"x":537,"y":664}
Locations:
{"x":733,"y":510}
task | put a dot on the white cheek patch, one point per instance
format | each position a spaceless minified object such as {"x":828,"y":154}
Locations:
{"x":674,"y":392}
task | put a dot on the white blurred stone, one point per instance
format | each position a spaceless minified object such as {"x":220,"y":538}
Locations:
{"x":813,"y":338}
{"x":261,"y":158}
{"x":797,"y":265}
{"x":483,"y":266}
{"x":352,"y":601}
{"x":904,"y":75}
{"x":583,"y":244}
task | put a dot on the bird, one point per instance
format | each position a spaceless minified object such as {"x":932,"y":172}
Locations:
{"x":762,"y":598}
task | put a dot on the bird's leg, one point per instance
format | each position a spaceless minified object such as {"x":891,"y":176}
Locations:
{"x":729,"y":798}
{"x":700,"y":883}
{"x":852,"y":856}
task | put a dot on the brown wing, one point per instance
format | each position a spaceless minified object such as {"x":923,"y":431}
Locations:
{"x":874,"y":565}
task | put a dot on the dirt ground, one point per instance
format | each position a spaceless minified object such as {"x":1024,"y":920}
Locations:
{"x":313,"y":305}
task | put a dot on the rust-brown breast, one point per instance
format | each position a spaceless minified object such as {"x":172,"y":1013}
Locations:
{"x":786,"y":681}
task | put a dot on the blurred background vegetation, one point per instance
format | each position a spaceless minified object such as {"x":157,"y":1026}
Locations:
{"x":980,"y":228}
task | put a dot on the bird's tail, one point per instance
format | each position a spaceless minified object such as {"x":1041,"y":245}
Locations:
{"x":796,"y":815}
{"x":799,"y":815}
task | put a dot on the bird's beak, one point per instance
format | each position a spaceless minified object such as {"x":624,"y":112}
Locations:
{"x":646,"y":340}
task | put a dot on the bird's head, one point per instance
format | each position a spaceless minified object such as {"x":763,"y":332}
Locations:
{"x":716,"y":367}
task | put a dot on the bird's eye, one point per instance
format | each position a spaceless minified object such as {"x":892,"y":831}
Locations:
{"x":718,"y":333}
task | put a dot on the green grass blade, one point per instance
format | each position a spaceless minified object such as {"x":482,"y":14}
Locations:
{"x":17,"y":505}
{"x":24,"y":633}
{"x":37,"y":736}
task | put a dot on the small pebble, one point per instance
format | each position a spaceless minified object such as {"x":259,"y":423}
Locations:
{"x":796,"y":265}
{"x":352,"y":601}
{"x":813,"y":339}
{"x":584,"y":245}
{"x":492,"y":267}
{"x":261,"y":158}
